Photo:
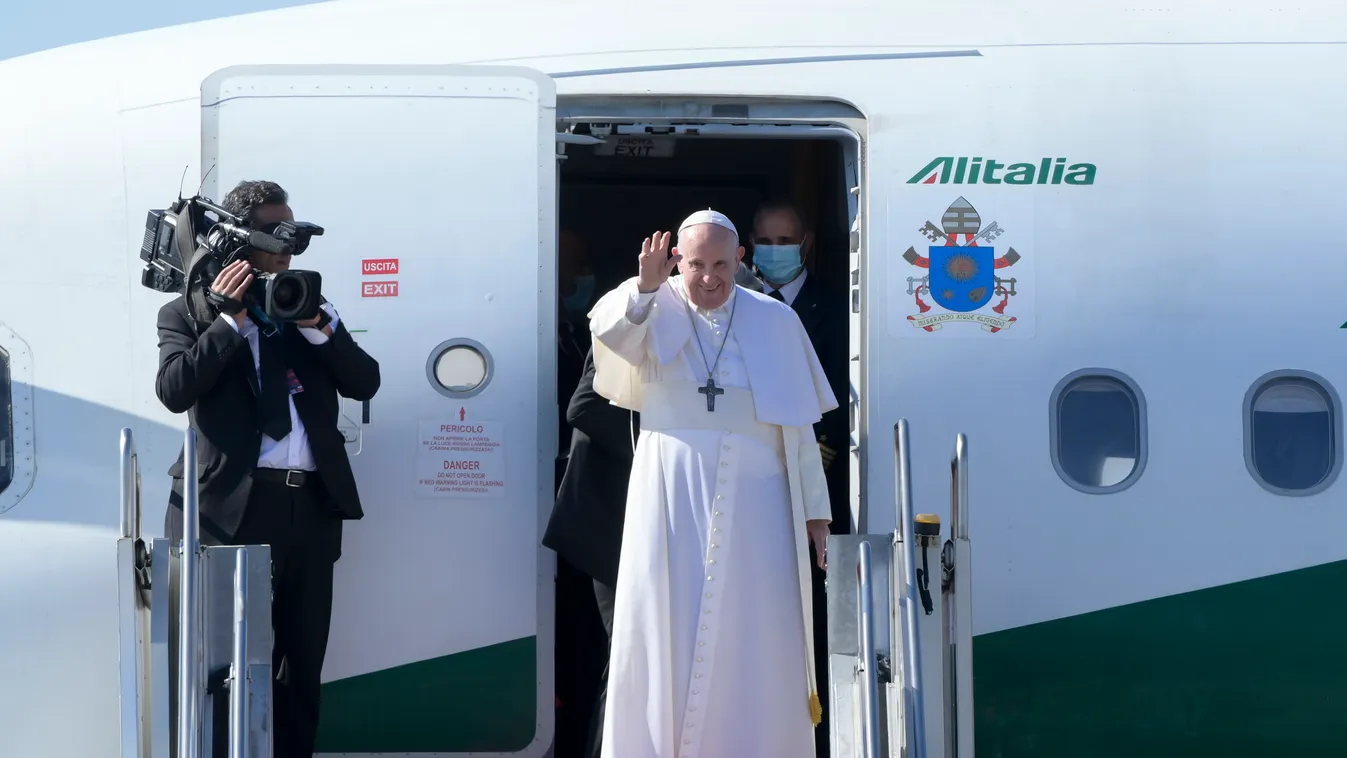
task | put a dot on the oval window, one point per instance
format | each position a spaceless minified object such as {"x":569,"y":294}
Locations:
{"x":1292,"y":443}
{"x":17,"y":448}
{"x":459,"y":368}
{"x":1098,"y":431}
{"x":6,"y":425}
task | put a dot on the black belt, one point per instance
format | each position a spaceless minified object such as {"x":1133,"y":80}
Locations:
{"x":288,"y":477}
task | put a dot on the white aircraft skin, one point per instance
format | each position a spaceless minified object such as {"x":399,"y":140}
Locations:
{"x":1204,"y":254}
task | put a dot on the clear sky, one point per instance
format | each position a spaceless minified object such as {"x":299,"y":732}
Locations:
{"x":27,"y":26}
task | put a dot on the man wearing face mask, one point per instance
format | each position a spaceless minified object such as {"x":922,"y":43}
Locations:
{"x":576,"y":291}
{"x":782,"y":252}
{"x":580,"y":644}
{"x":577,"y":278}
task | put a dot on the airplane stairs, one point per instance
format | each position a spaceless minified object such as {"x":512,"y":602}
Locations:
{"x":225,"y":614}
{"x":219,"y":600}
{"x":895,"y":648}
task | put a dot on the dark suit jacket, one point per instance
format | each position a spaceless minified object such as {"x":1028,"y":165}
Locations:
{"x":213,"y":379}
{"x":586,"y":523}
{"x":572,"y":342}
{"x":824,"y":316}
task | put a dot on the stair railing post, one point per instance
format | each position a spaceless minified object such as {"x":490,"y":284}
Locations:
{"x":130,"y":518}
{"x":238,"y":687}
{"x":913,"y":694}
{"x":963,"y":606}
{"x":190,"y":696}
{"x":869,"y":663}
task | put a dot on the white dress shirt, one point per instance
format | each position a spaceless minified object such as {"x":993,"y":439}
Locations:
{"x":789,"y":291}
{"x":292,"y":452}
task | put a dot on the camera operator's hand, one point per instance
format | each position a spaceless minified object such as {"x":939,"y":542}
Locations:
{"x":231,"y":286}
{"x":323,"y":322}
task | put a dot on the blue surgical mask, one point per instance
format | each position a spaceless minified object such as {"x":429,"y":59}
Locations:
{"x":778,"y":263}
{"x":584,"y":290}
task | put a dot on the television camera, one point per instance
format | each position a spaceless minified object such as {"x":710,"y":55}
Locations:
{"x":187,"y":245}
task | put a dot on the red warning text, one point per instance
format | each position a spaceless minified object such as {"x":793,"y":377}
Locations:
{"x":374,"y":266}
{"x":379,"y":289}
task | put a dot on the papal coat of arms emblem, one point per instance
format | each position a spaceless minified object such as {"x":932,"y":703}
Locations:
{"x":961,"y":274}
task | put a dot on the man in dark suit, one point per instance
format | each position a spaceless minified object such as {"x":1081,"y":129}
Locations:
{"x":782,"y":253}
{"x":576,"y":291}
{"x":272,"y":464}
{"x":586,"y":524}
{"x":580,"y":645}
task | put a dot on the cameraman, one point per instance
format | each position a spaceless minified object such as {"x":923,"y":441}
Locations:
{"x":272,"y":464}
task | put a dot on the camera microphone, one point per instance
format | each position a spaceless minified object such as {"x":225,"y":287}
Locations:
{"x":257,"y":240}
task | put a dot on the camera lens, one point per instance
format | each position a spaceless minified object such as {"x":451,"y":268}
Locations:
{"x":288,"y":293}
{"x":292,"y":295}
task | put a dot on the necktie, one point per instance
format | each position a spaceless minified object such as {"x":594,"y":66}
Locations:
{"x":273,"y":403}
{"x":776,"y":295}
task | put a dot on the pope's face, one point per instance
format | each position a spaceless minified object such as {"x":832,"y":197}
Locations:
{"x":710,"y":260}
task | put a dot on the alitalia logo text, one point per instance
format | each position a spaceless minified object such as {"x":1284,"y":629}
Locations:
{"x":952,"y":170}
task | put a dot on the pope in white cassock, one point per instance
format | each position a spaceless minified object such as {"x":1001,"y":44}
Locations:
{"x":712,"y":652}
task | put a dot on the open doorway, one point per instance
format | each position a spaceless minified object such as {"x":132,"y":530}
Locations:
{"x":619,"y":183}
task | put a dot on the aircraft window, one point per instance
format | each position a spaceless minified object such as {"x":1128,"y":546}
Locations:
{"x":1292,"y":433}
{"x":1098,"y":431}
{"x":459,"y":368}
{"x":6,"y":425}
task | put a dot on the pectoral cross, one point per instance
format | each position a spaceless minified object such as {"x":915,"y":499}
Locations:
{"x":710,"y":390}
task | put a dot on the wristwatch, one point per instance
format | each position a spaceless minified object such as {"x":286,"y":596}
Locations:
{"x":323,"y":320}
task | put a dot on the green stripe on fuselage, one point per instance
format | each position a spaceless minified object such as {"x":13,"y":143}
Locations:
{"x":1257,"y":668}
{"x":483,"y":700}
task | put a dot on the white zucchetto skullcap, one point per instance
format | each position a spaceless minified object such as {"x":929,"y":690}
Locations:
{"x":709,"y":216}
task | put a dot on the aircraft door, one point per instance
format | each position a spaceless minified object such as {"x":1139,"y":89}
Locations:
{"x":437,"y":190}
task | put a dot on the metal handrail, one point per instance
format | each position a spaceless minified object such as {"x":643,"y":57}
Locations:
{"x":238,"y":692}
{"x":869,"y":677}
{"x":914,"y":707}
{"x":959,"y":525}
{"x":130,"y":495}
{"x":190,"y":693}
{"x":132,"y":632}
{"x":947,"y":611}
{"x":961,"y":743}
